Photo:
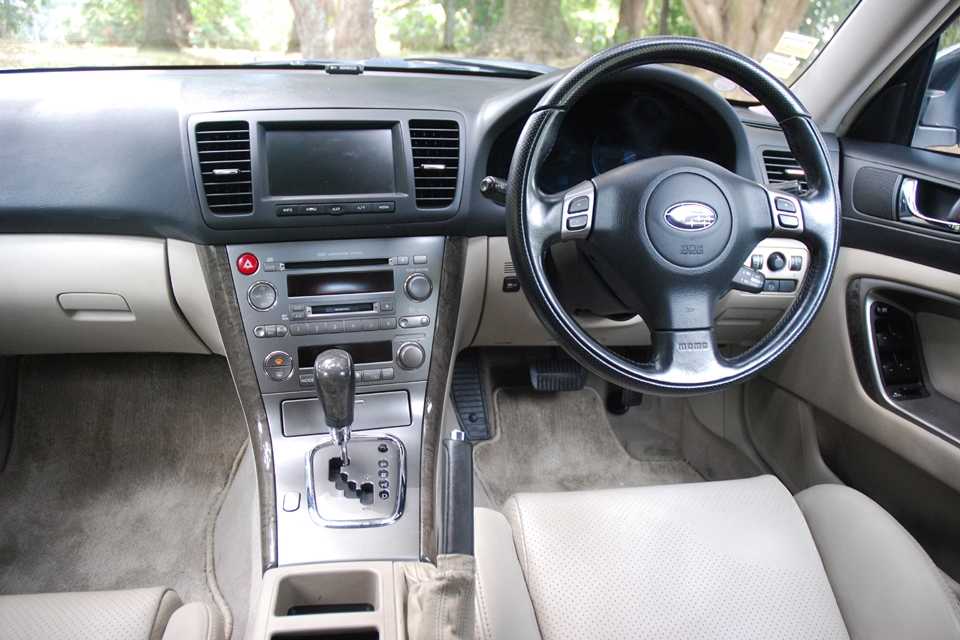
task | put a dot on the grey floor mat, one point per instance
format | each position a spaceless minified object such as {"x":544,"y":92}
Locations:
{"x":115,"y":463}
{"x":561,"y":442}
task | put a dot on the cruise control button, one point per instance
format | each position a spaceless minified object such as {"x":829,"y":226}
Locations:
{"x":575,"y":223}
{"x":579,"y":204}
{"x":783,"y":204}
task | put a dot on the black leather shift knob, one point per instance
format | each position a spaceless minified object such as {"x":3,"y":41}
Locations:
{"x":333,"y":370}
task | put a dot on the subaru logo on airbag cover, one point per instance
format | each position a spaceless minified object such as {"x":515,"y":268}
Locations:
{"x":690,"y":216}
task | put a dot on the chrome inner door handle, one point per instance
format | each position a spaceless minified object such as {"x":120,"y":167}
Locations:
{"x":909,"y":212}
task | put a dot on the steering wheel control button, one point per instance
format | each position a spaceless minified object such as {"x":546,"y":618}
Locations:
{"x":262,"y":296}
{"x":278,"y":366}
{"x":576,"y":223}
{"x":688,"y":232}
{"x":782,"y":204}
{"x":776,"y":261}
{"x":577,"y":212}
{"x":796,"y":263}
{"x":248,"y":264}
{"x":414,"y":322}
{"x":418,"y":287}
{"x":788,"y":221}
{"x":411,"y":356}
{"x":579,"y":204}
{"x":748,"y":280}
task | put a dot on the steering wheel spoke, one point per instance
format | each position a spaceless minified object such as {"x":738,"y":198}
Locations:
{"x":686,"y":357}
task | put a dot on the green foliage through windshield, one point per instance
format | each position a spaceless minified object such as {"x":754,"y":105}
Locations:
{"x":784,"y":35}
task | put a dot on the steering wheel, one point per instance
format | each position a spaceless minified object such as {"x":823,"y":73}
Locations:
{"x":670,"y":234}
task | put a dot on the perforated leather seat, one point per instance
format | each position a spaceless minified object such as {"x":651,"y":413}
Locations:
{"x":132,"y":614}
{"x":735,"y":559}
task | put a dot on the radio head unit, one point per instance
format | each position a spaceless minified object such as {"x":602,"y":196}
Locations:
{"x":375,"y":299}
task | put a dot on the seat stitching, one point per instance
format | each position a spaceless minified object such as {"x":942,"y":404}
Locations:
{"x":485,"y":622}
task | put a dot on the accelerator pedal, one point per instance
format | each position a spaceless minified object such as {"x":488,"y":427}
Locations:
{"x":468,"y":398}
{"x":557,"y":375}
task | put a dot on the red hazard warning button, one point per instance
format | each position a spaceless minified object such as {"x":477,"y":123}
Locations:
{"x":248,"y":264}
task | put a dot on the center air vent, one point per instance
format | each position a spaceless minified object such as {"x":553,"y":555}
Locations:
{"x":436,"y":161}
{"x":782,"y":167}
{"x":224,"y":150}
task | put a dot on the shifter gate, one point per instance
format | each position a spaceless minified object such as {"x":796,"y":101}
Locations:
{"x":367,"y":492}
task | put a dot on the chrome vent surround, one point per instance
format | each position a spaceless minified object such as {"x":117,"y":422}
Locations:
{"x":436,"y":161}
{"x":224,"y":151}
{"x":781,"y":167}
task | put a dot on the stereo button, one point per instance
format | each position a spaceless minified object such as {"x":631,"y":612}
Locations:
{"x":418,"y":287}
{"x":262,"y":296}
{"x":410,"y":355}
{"x":352,"y":326}
{"x":281,"y":330}
{"x":388,"y":306}
{"x":388,"y":323}
{"x":411,"y":322}
{"x":371,"y":325}
{"x":419,"y":259}
{"x":335,"y":327}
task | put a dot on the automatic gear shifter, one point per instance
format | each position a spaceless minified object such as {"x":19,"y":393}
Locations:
{"x":336,"y":387}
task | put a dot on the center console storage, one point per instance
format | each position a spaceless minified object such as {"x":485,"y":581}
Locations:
{"x":376,"y":300}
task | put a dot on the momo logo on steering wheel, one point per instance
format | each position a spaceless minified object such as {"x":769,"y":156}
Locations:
{"x":690,"y":216}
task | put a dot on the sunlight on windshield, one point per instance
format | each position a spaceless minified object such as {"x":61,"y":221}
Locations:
{"x":784,"y":35}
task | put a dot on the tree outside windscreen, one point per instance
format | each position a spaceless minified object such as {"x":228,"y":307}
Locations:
{"x":38,"y":33}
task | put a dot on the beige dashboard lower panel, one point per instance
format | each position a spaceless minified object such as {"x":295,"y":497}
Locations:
{"x":508,"y":318}
{"x":820,"y":368}
{"x":120,"y":271}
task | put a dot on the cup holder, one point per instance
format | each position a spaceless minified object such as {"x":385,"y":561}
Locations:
{"x":349,"y":591}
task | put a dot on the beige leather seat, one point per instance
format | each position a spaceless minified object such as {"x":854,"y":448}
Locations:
{"x":133,"y":614}
{"x":736,"y":559}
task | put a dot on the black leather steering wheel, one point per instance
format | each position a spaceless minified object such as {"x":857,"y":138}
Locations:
{"x":669,"y":234}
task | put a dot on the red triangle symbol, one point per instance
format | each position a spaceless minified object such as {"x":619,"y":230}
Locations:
{"x":247,"y":264}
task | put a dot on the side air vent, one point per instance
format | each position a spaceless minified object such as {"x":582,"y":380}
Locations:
{"x":436,"y":161}
{"x":224,"y":150}
{"x":782,"y":167}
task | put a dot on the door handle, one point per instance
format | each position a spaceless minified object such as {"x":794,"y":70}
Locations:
{"x":909,"y":212}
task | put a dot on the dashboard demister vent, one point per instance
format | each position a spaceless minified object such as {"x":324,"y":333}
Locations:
{"x":436,"y":161}
{"x":224,"y":150}
{"x":782,"y":167}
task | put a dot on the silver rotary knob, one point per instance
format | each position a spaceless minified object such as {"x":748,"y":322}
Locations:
{"x":418,"y":287}
{"x":410,"y":355}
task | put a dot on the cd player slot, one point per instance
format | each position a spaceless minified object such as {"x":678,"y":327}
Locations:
{"x":334,"y":264}
{"x":361,"y":352}
{"x":339,"y":283}
{"x":326,"y":309}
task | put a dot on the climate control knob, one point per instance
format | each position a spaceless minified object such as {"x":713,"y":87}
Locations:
{"x":418,"y":287}
{"x":410,"y":356}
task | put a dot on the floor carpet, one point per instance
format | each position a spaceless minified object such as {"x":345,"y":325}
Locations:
{"x":563,"y":442}
{"x":115,"y":463}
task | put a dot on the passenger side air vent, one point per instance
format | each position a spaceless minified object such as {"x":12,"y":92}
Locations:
{"x":224,"y":150}
{"x":782,"y":167}
{"x":436,"y":161}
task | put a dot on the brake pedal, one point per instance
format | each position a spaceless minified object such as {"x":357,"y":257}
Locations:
{"x":557,"y":375}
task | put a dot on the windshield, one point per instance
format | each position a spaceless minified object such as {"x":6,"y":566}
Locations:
{"x":784,"y":35}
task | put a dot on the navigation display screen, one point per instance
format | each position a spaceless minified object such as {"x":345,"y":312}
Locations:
{"x":327,"y":162}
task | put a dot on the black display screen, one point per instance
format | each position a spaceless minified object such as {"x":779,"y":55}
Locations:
{"x":327,"y":162}
{"x":361,"y":352}
{"x":339,"y":283}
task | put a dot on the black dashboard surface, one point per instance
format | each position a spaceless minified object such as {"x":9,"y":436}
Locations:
{"x":108,"y":152}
